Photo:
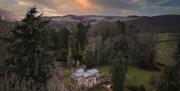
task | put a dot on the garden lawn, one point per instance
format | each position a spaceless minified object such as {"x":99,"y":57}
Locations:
{"x":136,"y":76}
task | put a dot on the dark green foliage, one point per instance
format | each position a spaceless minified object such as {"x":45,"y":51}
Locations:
{"x":58,"y":39}
{"x":57,"y":43}
{"x":28,"y":57}
{"x":120,"y":67}
{"x":63,"y":36}
{"x":141,"y":88}
{"x":169,"y":81}
{"x":77,"y":39}
{"x":81,"y":34}
{"x":120,"y":64}
{"x":120,"y":55}
{"x":88,"y":58}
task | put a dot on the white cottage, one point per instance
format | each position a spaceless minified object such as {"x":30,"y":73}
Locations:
{"x":87,"y":78}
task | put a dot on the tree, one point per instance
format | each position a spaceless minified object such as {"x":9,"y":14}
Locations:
{"x":5,"y":27}
{"x":169,"y":81}
{"x":58,"y":43}
{"x":27,"y":56}
{"x":102,"y":51}
{"x":120,"y":63}
{"x":120,"y":54}
{"x":170,"y":78}
{"x":119,"y":70}
{"x":81,"y":34}
{"x":88,"y":58}
{"x":142,"y":50}
{"x":76,"y":40}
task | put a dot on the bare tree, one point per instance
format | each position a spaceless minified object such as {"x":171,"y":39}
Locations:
{"x":5,"y":26}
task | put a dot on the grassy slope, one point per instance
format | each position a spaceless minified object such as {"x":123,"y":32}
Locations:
{"x":166,"y":48}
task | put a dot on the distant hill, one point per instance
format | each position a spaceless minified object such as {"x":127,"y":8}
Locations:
{"x":163,"y":23}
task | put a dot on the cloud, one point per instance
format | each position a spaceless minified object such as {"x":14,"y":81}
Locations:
{"x":170,"y":3}
{"x":119,"y":4}
{"x":51,"y":12}
{"x":65,"y":6}
{"x":1,"y":3}
{"x":94,"y":7}
{"x":160,"y":7}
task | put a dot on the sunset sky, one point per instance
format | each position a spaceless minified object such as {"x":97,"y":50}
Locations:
{"x":94,"y":7}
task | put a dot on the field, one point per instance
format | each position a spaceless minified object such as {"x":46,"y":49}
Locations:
{"x":166,"y":49}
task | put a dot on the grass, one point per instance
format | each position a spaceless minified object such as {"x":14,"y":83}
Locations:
{"x":136,"y":76}
{"x":105,"y":70}
{"x":165,"y":53}
{"x":165,"y":48}
{"x":67,"y":75}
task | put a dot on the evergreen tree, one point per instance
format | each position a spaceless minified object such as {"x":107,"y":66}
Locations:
{"x":28,"y":57}
{"x":168,"y":79}
{"x":119,"y":70}
{"x":58,"y":43}
{"x":120,"y":64}
{"x":120,"y":55}
{"x":76,"y":40}
{"x":88,"y":58}
{"x":81,"y":34}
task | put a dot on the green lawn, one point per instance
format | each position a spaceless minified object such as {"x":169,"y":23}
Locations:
{"x":67,"y":75}
{"x":165,"y":52}
{"x":136,"y":76}
{"x":165,"y":49}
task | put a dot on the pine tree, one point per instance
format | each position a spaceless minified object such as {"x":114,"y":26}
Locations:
{"x":88,"y":58}
{"x":28,"y":57}
{"x":119,"y":70}
{"x":81,"y":34}
{"x":120,"y":64}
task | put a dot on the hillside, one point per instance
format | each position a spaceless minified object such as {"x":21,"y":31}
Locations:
{"x":164,"y":23}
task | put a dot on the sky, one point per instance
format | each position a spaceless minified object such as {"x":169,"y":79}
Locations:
{"x":93,"y":7}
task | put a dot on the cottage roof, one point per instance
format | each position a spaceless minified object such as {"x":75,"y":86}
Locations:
{"x":85,"y":73}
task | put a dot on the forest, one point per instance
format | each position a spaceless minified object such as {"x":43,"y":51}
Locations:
{"x":34,"y":56}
